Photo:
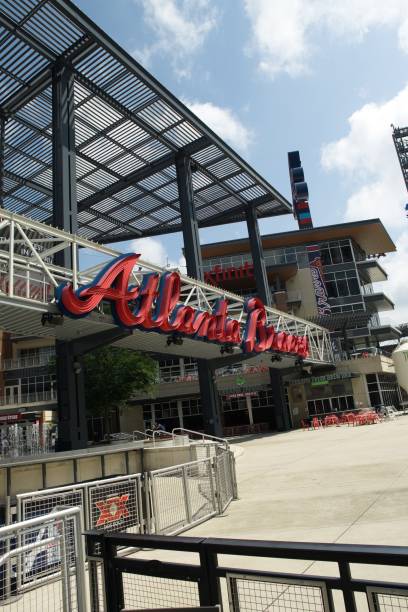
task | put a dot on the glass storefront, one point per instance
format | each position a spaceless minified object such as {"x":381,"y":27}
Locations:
{"x":383,"y":390}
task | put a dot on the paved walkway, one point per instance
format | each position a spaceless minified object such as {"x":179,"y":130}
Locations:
{"x":341,"y":484}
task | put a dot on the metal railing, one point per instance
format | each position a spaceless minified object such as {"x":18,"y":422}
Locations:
{"x":42,"y":564}
{"x":32,"y":279}
{"x":22,"y":440}
{"x":271,"y":259}
{"x":166,"y":500}
{"x":200,"y":435}
{"x":173,"y":373}
{"x":29,"y":398}
{"x":112,"y":504}
{"x":21,"y":363}
{"x":353,"y":577}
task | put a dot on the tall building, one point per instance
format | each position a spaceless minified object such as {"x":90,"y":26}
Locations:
{"x":351,"y":255}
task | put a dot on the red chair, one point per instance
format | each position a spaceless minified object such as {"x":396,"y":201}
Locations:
{"x":349,"y":419}
{"x":316,"y":423}
{"x":330,"y":419}
{"x":305,"y":425}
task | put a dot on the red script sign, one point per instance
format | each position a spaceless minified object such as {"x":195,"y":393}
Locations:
{"x":155,"y":305}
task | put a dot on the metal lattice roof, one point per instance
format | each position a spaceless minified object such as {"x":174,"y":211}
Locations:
{"x":128,"y":129}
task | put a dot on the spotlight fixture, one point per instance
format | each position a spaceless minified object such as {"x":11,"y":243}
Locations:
{"x":49,"y":319}
{"x":276,"y":358}
{"x":175,"y":339}
{"x":226,"y":348}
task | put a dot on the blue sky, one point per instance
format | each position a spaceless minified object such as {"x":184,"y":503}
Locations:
{"x":272,"y":76}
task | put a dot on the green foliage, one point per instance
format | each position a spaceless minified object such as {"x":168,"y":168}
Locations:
{"x":112,"y":375}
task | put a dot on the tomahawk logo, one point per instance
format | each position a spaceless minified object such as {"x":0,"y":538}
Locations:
{"x":112,"y":510}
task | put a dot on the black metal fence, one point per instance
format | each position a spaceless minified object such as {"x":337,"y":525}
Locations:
{"x":227,"y":573}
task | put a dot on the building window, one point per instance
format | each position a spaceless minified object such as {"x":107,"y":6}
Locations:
{"x":327,"y":405}
{"x":342,"y":283}
{"x":336,"y":252}
{"x":383,"y":389}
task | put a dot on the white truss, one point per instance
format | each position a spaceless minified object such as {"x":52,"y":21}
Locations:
{"x":28,"y":276}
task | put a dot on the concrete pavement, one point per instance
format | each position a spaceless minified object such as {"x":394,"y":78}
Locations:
{"x":341,"y":484}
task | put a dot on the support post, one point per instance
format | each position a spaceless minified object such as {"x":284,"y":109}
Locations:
{"x":210,"y":400}
{"x":72,"y":426}
{"x":64,"y":170}
{"x":261,"y":277}
{"x":281,"y":410}
{"x":192,"y":250}
{"x":2,"y":147}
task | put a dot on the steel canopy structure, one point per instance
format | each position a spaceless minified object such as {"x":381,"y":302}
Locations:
{"x":129,"y":133}
{"x":92,"y":145}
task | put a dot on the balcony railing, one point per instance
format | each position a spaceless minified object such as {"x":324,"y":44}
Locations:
{"x":21,"y":363}
{"x":29,"y":398}
{"x":172,"y":374}
{"x":271,"y":259}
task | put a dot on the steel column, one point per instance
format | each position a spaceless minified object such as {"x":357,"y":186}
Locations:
{"x":2,"y":145}
{"x":72,"y":426}
{"x":192,"y":251}
{"x":281,"y":409}
{"x":210,"y":401}
{"x":261,"y":277}
{"x":64,"y":172}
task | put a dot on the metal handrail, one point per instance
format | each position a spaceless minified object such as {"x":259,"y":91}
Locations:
{"x":142,"y":433}
{"x":159,"y":432}
{"x":203,"y":436}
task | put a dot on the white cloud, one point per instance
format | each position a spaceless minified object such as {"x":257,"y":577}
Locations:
{"x":395,"y":265}
{"x":223,"y":122}
{"x":153,"y":251}
{"x":180,"y":28}
{"x":367,"y":163}
{"x":284,"y":31}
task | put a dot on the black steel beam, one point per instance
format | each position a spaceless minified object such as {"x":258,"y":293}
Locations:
{"x":43,"y":79}
{"x":65,"y":214}
{"x":72,"y":426}
{"x":23,"y":182}
{"x":24,"y":35}
{"x":82,"y":21}
{"x":191,"y":237}
{"x":140,"y":174}
{"x":210,"y":400}
{"x":280,"y":408}
{"x":261,"y":277}
{"x":2,"y":144}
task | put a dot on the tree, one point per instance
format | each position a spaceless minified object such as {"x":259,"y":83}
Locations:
{"x":403,"y":328}
{"x":112,"y":375}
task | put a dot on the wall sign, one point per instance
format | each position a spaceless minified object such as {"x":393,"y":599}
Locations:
{"x":155,"y":306}
{"x":217,"y":274}
{"x":319,"y":286}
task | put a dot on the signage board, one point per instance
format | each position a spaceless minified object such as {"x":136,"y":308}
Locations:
{"x":155,"y":306}
{"x":319,"y":286}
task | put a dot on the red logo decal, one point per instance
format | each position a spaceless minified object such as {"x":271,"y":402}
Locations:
{"x":112,"y":509}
